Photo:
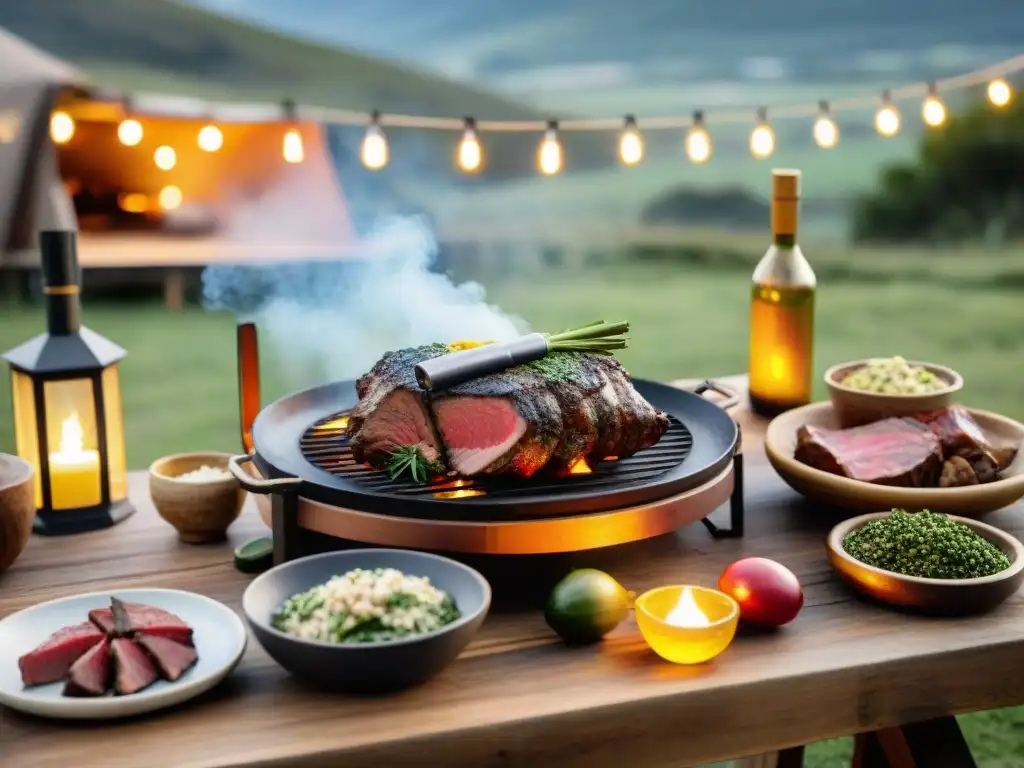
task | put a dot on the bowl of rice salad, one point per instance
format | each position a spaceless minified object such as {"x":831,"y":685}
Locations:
{"x":366,"y":620}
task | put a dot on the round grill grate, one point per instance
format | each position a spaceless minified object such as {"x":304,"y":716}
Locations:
{"x":325,"y":446}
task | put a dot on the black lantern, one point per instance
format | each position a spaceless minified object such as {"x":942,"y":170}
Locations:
{"x":68,"y":418}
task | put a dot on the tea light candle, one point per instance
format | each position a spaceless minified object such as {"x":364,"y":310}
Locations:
{"x":686,"y":624}
{"x":74,"y":471}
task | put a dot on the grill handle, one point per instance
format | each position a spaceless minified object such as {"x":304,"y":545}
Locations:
{"x":259,"y":485}
{"x":248,"y":354}
{"x":732,"y":397}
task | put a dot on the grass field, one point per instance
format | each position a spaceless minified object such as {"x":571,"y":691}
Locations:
{"x":180,"y":388}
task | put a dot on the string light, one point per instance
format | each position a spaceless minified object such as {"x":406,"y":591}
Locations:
{"x":999,"y":92}
{"x":887,"y":118}
{"x":210,"y":138}
{"x":762,"y":138}
{"x":169,"y":198}
{"x":826,"y":132}
{"x":291,"y":145}
{"x":165,"y":158}
{"x":470,"y":156}
{"x":549,"y":153}
{"x":932,"y":109}
{"x":631,"y":143}
{"x":62,"y":127}
{"x":698,"y":140}
{"x":374,"y":151}
{"x":129,"y":132}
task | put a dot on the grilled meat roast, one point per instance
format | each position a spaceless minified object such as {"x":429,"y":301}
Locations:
{"x":945,"y":448}
{"x":548,"y":413}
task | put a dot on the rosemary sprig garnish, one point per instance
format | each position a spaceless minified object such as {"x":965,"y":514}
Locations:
{"x":409,"y":459}
{"x":597,"y":337}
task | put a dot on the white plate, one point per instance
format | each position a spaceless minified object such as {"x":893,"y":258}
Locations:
{"x":218,"y":633}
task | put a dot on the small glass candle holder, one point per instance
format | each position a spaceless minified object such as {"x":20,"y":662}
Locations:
{"x":687,"y":625}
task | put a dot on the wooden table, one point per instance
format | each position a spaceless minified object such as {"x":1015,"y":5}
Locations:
{"x":519,"y":697}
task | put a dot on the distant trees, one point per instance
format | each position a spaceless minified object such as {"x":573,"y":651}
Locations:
{"x":967,"y":183}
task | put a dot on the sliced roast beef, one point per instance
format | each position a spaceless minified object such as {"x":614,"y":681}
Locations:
{"x":172,"y":659}
{"x":155,"y":621}
{"x":90,"y":675}
{"x":133,"y":671}
{"x":549,"y":413}
{"x":897,"y":452}
{"x":962,"y":436}
{"x":51,"y":661}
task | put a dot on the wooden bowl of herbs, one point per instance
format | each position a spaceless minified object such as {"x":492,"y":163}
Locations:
{"x":927,"y":561}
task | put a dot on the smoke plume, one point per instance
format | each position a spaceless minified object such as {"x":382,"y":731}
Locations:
{"x":335,"y":318}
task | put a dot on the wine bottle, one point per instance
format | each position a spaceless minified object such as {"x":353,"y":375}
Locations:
{"x":782,"y":310}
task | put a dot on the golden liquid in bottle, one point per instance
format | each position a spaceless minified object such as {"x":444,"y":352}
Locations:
{"x":782,"y":310}
{"x":781,"y":348}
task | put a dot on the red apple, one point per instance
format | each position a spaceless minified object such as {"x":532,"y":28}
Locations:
{"x":768,"y":593}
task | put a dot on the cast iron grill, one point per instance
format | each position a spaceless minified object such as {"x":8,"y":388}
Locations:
{"x":325,"y":445}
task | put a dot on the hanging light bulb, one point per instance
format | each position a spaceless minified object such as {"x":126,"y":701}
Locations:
{"x":165,"y":158}
{"x":169,"y":198}
{"x":469,"y":156}
{"x":549,"y":153}
{"x":291,"y":145}
{"x":826,"y":132}
{"x":999,"y":92}
{"x":210,"y":138}
{"x":762,"y":138}
{"x":887,"y":118}
{"x":374,"y":151}
{"x":62,"y":127}
{"x":932,"y":109}
{"x":631,"y":143}
{"x":129,"y":132}
{"x":698,"y":140}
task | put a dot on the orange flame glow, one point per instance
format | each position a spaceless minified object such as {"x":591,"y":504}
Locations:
{"x":580,"y":468}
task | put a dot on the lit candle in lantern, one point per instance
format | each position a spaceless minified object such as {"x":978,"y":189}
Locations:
{"x":687,"y":625}
{"x":74,"y":471}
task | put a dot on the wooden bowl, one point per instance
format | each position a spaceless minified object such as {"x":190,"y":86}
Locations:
{"x":938,"y":596}
{"x":201,"y":511}
{"x":970,"y":501}
{"x":17,"y":507}
{"x":856,"y":407}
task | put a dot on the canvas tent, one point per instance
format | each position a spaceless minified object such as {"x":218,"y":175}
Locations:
{"x":240,"y":202}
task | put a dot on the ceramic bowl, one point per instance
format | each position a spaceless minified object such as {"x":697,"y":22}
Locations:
{"x":855,"y":407}
{"x":17,"y":507}
{"x":200,"y":511}
{"x":836,"y":491}
{"x":677,"y":642}
{"x":937,"y":596}
{"x":366,"y":667}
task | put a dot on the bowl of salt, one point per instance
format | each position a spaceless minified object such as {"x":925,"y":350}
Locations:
{"x":196,"y":494}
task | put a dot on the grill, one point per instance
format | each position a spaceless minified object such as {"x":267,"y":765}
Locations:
{"x":325,"y":446}
{"x":300,"y":463}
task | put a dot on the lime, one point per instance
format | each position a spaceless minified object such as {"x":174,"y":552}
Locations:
{"x":586,"y":605}
{"x":255,"y":556}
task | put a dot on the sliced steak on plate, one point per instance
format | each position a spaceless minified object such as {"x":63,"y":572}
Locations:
{"x":897,"y":452}
{"x":90,"y":675}
{"x":172,"y":659}
{"x":51,"y":661}
{"x":133,"y":670}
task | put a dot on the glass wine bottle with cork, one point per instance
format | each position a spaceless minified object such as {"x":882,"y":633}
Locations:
{"x":782,"y":310}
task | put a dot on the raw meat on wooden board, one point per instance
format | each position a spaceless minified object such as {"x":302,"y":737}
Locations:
{"x":51,"y":661}
{"x":554,"y":412}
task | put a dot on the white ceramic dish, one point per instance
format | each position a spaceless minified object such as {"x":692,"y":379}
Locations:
{"x":220,"y":638}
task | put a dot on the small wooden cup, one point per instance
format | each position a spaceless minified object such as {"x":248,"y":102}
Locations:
{"x":856,"y":407}
{"x":200,"y":511}
{"x":17,"y":507}
{"x":951,"y":597}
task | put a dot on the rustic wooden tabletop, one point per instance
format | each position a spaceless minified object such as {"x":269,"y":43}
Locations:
{"x":518,"y":696}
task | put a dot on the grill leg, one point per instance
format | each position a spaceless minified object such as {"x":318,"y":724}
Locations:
{"x":284,"y":513}
{"x":736,"y":507}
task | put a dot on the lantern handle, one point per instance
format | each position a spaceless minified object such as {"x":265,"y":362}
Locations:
{"x":259,"y":485}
